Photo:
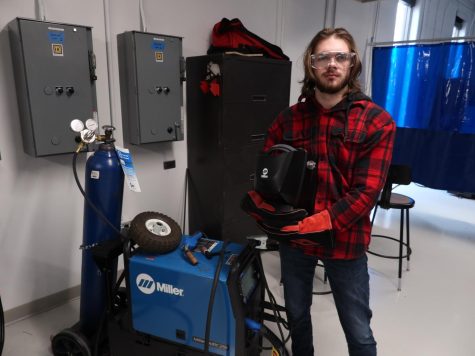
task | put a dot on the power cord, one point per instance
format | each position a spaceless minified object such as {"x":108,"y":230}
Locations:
{"x":209,"y":314}
{"x":276,"y":312}
{"x":91,"y":204}
{"x":125,"y":240}
{"x":2,"y":327}
{"x":187,"y":174}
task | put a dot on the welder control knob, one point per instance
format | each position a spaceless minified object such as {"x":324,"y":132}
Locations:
{"x":108,"y":128}
{"x":166,"y":90}
{"x":69,"y":90}
{"x":158,"y":90}
{"x":76,"y":125}
{"x":59,"y":90}
{"x":91,"y":124}
{"x":88,"y":136}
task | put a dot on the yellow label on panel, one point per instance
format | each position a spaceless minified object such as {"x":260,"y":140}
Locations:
{"x":158,"y":56}
{"x":275,"y":352}
{"x":57,"y":49}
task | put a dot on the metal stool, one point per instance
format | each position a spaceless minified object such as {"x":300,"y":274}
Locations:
{"x":398,"y":174}
{"x":316,"y":280}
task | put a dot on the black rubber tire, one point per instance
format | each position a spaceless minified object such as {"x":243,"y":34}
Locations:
{"x":165,"y":238}
{"x":120,"y":300}
{"x":70,"y":343}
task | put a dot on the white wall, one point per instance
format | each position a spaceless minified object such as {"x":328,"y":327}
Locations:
{"x":41,"y":208}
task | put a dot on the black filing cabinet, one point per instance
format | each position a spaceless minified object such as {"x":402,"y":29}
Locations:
{"x":225,"y":132}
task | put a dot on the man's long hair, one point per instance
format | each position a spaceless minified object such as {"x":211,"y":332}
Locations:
{"x":308,"y":83}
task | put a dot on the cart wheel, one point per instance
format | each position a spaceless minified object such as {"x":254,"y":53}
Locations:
{"x":70,"y":343}
{"x":120,"y":299}
{"x":155,"y":232}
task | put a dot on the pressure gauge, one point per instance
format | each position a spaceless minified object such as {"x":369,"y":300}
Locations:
{"x":88,"y":136}
{"x":91,"y":124}
{"x":76,"y":125}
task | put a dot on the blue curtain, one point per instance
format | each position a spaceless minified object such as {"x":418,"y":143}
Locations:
{"x":430,"y":92}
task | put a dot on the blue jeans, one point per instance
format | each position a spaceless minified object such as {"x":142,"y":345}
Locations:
{"x":349,"y":281}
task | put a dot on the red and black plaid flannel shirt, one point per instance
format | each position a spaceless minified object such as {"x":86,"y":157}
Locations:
{"x":352,"y":143}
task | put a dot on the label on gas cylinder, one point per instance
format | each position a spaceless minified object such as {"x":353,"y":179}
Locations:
{"x":125,"y":159}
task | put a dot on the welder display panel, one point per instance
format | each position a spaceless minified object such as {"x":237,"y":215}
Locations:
{"x":56,"y":64}
{"x":158,"y":86}
{"x":248,"y":281}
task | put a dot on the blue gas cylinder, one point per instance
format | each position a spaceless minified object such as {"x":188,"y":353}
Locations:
{"x":104,"y":188}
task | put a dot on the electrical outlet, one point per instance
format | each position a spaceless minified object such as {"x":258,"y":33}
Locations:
{"x":169,"y":164}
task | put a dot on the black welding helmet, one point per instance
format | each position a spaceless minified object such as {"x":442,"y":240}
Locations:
{"x":280,"y":174}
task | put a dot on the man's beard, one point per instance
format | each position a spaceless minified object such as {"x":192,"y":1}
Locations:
{"x":331,"y":88}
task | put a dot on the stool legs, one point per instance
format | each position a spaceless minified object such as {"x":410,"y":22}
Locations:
{"x":401,"y":240}
{"x":374,"y":214}
{"x":404,"y":219}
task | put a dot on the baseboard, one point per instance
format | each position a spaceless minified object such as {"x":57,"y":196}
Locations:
{"x":41,"y":305}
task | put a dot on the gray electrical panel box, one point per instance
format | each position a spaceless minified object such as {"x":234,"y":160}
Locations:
{"x":151,"y":70}
{"x":54,"y":69}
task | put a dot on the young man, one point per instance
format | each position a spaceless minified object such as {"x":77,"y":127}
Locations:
{"x":351,"y":139}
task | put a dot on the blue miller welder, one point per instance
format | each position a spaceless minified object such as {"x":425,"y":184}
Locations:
{"x":169,"y":303}
{"x":183,"y":296}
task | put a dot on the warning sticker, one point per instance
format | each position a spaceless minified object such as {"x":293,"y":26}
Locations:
{"x":95,"y":174}
{"x":56,"y":35}
{"x":275,"y":352}
{"x":158,"y":44}
{"x":158,"y":56}
{"x":125,"y":159}
{"x":57,"y":49}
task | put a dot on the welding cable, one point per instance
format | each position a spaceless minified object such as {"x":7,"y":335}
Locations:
{"x":266,"y":333}
{"x":274,"y":341}
{"x":91,"y":204}
{"x":125,"y":239}
{"x":273,"y":303}
{"x":212,"y":295}
{"x":187,"y":175}
{"x":2,"y":327}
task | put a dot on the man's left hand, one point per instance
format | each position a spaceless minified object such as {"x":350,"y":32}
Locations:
{"x":316,"y":223}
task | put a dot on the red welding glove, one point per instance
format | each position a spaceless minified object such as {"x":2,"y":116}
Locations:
{"x":316,"y":238}
{"x":316,"y":223}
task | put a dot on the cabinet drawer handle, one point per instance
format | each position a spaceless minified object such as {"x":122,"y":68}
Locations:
{"x":258,"y":137}
{"x":259,"y":98}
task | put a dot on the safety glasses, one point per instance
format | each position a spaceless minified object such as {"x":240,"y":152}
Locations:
{"x":341,"y":59}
